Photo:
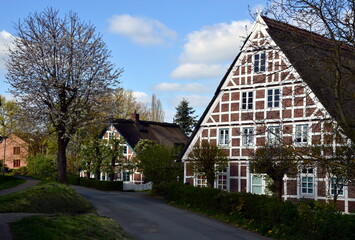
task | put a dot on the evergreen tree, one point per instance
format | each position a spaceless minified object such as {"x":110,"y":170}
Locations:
{"x":184,"y":118}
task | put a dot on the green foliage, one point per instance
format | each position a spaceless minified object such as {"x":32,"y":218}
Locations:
{"x":264,"y":214}
{"x":102,"y":185}
{"x":158,"y":162}
{"x":67,"y":227}
{"x":42,"y":166}
{"x":184,"y":118}
{"x":143,"y":144}
{"x":48,"y":197}
{"x":275,"y":161}
{"x":208,"y":159}
{"x":9,"y":181}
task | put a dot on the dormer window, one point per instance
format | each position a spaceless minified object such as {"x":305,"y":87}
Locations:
{"x":259,"y":62}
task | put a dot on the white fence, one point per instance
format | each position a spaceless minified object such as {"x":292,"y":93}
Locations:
{"x":137,"y":187}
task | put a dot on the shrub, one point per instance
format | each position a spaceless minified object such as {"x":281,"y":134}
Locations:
{"x":42,"y":166}
{"x":265,"y":214}
{"x":73,"y":179}
{"x":102,"y":185}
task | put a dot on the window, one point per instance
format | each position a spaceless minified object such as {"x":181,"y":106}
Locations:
{"x":247,"y":100}
{"x":222,"y":180}
{"x":259,"y":62}
{"x":124,"y":149}
{"x":307,"y":181}
{"x":17,"y":150}
{"x":17,"y":163}
{"x":248,"y":136}
{"x":201,"y":181}
{"x":223,"y":136}
{"x":301,"y":135}
{"x":177,"y":149}
{"x":337,"y":186}
{"x":273,"y":98}
{"x":126,"y":176}
{"x":273,"y":135}
{"x":111,"y":135}
{"x":257,"y":184}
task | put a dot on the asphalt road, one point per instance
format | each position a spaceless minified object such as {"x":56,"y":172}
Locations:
{"x":147,"y":218}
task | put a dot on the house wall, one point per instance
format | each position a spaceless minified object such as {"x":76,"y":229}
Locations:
{"x":136,"y":176}
{"x":297,"y":106}
{"x":16,"y":152}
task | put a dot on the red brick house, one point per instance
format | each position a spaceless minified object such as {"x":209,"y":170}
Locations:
{"x":16,"y":152}
{"x":133,"y":130}
{"x":279,"y":86}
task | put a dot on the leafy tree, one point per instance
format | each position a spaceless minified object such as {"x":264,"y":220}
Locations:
{"x":184,"y":118}
{"x":275,"y":161}
{"x":209,"y":160}
{"x":8,"y":112}
{"x":60,"y":70}
{"x":43,"y":166}
{"x":158,"y":162}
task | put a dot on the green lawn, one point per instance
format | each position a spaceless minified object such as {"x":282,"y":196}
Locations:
{"x":46,"y":197}
{"x":67,"y":227}
{"x":9,"y":181}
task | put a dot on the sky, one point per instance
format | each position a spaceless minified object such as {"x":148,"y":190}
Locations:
{"x":175,"y":49}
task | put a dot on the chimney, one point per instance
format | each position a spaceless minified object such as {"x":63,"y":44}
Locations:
{"x":135,"y":117}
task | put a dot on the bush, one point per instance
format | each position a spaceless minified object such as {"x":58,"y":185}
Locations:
{"x":42,"y":166}
{"x":73,"y":179}
{"x":102,"y":185}
{"x":265,"y":214}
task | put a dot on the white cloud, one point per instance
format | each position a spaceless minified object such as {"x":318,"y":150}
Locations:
{"x":216,"y":43}
{"x":142,"y":97}
{"x":190,"y":87}
{"x":143,"y":31}
{"x":197,"y":71}
{"x":207,"y":50}
{"x":5,"y":42}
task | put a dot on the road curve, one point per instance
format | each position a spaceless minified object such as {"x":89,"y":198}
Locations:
{"x":147,"y":218}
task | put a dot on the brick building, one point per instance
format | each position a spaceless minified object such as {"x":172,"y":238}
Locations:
{"x":16,"y":152}
{"x":280,"y":86}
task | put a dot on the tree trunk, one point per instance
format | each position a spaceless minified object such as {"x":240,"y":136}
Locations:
{"x":62,"y":157}
{"x":210,"y":181}
{"x":278,"y":184}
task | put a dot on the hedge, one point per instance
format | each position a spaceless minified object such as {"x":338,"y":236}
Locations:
{"x":265,"y":214}
{"x":97,"y":184}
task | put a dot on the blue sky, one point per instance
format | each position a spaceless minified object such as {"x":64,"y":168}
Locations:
{"x":173,"y":48}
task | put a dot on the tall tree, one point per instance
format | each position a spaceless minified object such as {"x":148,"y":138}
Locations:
{"x":184,"y":118}
{"x":156,"y":110}
{"x":8,"y":112}
{"x":59,"y":68}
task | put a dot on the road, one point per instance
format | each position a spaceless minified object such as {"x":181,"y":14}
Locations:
{"x":147,"y":218}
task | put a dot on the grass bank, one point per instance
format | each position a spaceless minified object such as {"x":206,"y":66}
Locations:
{"x":46,"y":197}
{"x":9,"y":181}
{"x":67,"y":227}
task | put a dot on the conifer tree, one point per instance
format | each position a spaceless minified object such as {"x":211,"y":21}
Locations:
{"x":184,"y":118}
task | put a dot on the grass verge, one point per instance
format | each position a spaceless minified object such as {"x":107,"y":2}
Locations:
{"x":9,"y":181}
{"x":46,"y":197}
{"x":67,"y":227}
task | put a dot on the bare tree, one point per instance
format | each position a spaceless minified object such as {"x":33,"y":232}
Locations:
{"x":60,"y":70}
{"x":156,"y":110}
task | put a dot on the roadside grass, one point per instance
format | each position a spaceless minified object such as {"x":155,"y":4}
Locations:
{"x":67,"y":227}
{"x":9,"y":181}
{"x":46,"y":197}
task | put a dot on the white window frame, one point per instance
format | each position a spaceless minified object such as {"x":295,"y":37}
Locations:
{"x":200,"y":181}
{"x":259,"y":62}
{"x":273,"y":135}
{"x":124,"y":176}
{"x":248,"y":136}
{"x":302,"y":134}
{"x":221,"y":180}
{"x":124,"y":149}
{"x":262,"y":184}
{"x":111,"y":135}
{"x":332,"y":187}
{"x":307,"y":181}
{"x":223,"y":137}
{"x":247,"y":100}
{"x":273,"y":97}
